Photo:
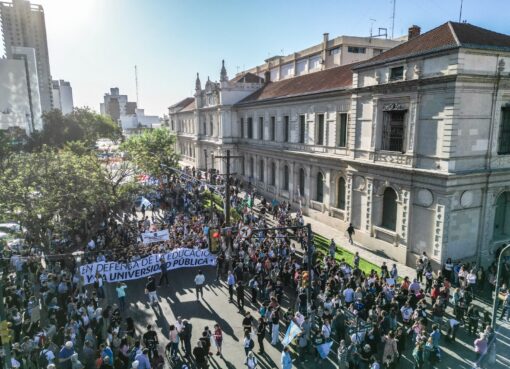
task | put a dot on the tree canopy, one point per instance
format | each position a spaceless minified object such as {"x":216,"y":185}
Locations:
{"x":61,"y":192}
{"x":152,"y":151}
{"x":81,"y":125}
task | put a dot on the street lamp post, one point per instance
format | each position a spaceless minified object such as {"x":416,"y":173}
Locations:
{"x":496,"y":296}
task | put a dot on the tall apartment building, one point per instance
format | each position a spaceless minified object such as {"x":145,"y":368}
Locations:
{"x":62,"y":96}
{"x":23,"y":25}
{"x":115,"y":105}
{"x":20,"y":103}
{"x":411,"y":146}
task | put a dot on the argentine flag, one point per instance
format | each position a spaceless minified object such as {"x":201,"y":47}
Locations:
{"x":324,"y":349}
{"x":292,"y":332}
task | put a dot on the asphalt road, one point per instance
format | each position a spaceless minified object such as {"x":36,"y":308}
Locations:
{"x":179,"y":299}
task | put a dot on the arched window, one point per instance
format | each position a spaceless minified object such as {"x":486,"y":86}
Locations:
{"x":319,"y":193}
{"x":285,"y":178}
{"x":502,"y":217}
{"x":261,"y":170}
{"x":389,"y":215}
{"x":273,"y":174}
{"x":301,"y":182}
{"x":340,"y":194}
{"x":252,"y":168}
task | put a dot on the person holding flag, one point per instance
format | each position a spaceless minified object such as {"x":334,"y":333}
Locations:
{"x":292,"y":332}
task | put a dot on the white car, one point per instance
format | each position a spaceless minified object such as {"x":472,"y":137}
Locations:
{"x":142,"y":201}
{"x":10,"y":227}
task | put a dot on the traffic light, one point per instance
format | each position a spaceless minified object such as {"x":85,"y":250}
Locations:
{"x":6,"y":334}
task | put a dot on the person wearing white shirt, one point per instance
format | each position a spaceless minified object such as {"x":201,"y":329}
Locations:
{"x":407,"y":313}
{"x":348,"y":295}
{"x":326,"y":329}
{"x":199,"y":284}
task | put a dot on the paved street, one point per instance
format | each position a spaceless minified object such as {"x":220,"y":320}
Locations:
{"x":179,"y":299}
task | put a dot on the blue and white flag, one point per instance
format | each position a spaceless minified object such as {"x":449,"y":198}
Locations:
{"x":292,"y":332}
{"x":324,"y":349}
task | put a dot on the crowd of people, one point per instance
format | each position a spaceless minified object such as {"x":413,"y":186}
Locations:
{"x":370,"y":317}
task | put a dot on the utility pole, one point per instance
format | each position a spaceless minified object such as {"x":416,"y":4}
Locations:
{"x":393,"y":18}
{"x":460,"y":12}
{"x":228,"y":157}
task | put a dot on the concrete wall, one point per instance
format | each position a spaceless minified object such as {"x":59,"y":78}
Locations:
{"x":14,"y":102}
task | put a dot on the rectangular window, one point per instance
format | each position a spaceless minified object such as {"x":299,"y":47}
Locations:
{"x":397,"y":74}
{"x":286,"y":128}
{"x":378,"y":51}
{"x":302,"y":128}
{"x":272,"y":134}
{"x":342,"y":130}
{"x":334,"y":51}
{"x":250,"y":127}
{"x":504,"y":132}
{"x":393,"y":131}
{"x":320,"y":130}
{"x":356,"y":50}
{"x":261,"y":128}
{"x":242,"y":128}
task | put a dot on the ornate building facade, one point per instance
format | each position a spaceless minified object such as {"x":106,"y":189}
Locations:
{"x":411,"y":146}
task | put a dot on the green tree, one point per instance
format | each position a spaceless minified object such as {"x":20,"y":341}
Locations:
{"x":81,"y":125}
{"x":63,"y":193}
{"x":153,"y":151}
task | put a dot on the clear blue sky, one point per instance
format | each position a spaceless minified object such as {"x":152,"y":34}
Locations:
{"x":95,"y":44}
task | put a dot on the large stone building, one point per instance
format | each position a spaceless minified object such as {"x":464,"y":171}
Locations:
{"x":411,"y":146}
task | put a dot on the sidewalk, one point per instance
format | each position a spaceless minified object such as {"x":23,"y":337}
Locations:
{"x":342,"y":241}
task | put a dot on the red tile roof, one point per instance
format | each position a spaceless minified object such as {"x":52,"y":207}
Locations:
{"x":449,"y":35}
{"x":247,"y":78}
{"x":191,"y":106}
{"x":182,"y":103}
{"x":333,"y":79}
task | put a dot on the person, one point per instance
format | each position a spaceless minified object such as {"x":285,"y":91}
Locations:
{"x":261,"y":334}
{"x":164,"y":271}
{"x":199,"y":284}
{"x":390,"y":347}
{"x":75,"y":362}
{"x":173,"y":337}
{"x":143,"y":359}
{"x":343,"y":356}
{"x":275,"y":326}
{"x":350,"y":232}
{"x":332,"y":249}
{"x":240,"y":295}
{"x":251,"y":361}
{"x":218,"y":338}
{"x":286,"y":360}
{"x":231,"y":281}
{"x":247,"y":343}
{"x":206,"y":340}
{"x":200,"y":356}
{"x":121,"y":295}
{"x":150,"y":340}
{"x":506,"y":308}
{"x":418,"y":355}
{"x":150,"y":289}
{"x":254,"y":285}
{"x":186,"y":336}
{"x":481,"y":346}
{"x":473,"y":316}
{"x":64,"y":356}
{"x":247,"y":322}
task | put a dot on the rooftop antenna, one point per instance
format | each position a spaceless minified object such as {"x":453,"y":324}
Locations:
{"x":460,"y":12}
{"x":371,"y":20}
{"x":393,"y":18}
{"x":136,"y":83}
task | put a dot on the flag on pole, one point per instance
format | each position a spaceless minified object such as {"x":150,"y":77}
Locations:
{"x":292,"y":332}
{"x":324,"y":349}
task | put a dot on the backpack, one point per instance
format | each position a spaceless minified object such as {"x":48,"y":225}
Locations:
{"x":251,"y":344}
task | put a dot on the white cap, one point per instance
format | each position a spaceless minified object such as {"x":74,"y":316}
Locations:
{"x":135,"y":364}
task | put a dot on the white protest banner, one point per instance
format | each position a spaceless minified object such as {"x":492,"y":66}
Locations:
{"x":150,"y":237}
{"x":117,"y":272}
